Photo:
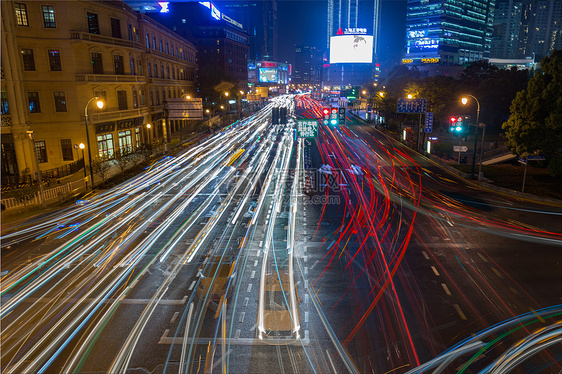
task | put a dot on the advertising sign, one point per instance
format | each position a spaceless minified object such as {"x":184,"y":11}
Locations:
{"x":268,"y":75}
{"x":351,"y":49}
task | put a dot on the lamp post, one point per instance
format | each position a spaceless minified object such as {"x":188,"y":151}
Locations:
{"x":99,"y":104}
{"x":464,"y":101}
{"x":225,"y":97}
{"x":82,"y":146}
{"x":148,"y":126}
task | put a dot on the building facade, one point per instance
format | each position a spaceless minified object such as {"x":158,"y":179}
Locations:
{"x":58,"y":56}
{"x":526,"y":29}
{"x":307,"y":69}
{"x":259,"y":19}
{"x":221,"y":42}
{"x":447,"y":33}
{"x":351,"y":19}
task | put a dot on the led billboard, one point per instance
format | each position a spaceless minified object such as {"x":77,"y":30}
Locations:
{"x":351,"y":49}
{"x":268,"y":75}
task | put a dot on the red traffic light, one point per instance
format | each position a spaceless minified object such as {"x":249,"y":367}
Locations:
{"x":334,"y":110}
{"x":453,"y":119}
{"x":326,"y":111}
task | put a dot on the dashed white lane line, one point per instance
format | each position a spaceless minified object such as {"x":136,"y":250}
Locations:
{"x":446,"y":289}
{"x":242,"y":315}
{"x":261,"y":243}
{"x":253,"y":274}
{"x":305,"y":317}
{"x":435,"y":270}
{"x":191,"y":286}
{"x":237,"y":334}
{"x":425,"y":255}
{"x":174,"y":317}
{"x":249,"y":287}
{"x":497,"y":273}
{"x":256,"y":263}
{"x":306,"y":270}
{"x":459,"y":311}
{"x":482,"y":257}
{"x":246,"y":300}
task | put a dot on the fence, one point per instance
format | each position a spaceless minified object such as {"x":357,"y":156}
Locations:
{"x":50,"y":194}
{"x":63,"y":171}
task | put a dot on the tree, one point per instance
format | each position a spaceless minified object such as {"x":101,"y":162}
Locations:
{"x":122,"y":157}
{"x":535,"y":123}
{"x":101,"y":166}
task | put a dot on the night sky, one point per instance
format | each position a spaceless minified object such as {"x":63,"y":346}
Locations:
{"x":305,"y":22}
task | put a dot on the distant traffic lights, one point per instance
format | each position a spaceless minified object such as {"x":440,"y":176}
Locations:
{"x":458,"y":123}
{"x":341,"y":116}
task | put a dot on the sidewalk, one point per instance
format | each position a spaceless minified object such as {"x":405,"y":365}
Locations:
{"x":70,"y":188}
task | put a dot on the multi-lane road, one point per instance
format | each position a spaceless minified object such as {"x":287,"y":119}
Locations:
{"x":258,"y":251}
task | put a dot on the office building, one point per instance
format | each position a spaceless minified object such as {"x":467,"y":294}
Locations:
{"x":259,"y":19}
{"x":442,"y":36}
{"x":307,"y":69}
{"x":352,"y":37}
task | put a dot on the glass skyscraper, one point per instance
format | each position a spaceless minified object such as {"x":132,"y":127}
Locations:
{"x":448,"y":32}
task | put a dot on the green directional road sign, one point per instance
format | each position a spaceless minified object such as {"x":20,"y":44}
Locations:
{"x":307,"y":128}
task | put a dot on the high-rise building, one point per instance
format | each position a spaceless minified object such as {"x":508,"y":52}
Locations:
{"x":352,"y":35}
{"x":526,"y":29}
{"x":259,"y":18}
{"x":507,"y":24}
{"x":308,"y":65}
{"x":447,"y":33}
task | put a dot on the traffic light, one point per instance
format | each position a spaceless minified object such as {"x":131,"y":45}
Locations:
{"x":326,"y":113}
{"x":334,"y":116}
{"x":341,"y":116}
{"x":458,"y":124}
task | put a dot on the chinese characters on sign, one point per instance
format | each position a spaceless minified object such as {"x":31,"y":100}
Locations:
{"x":428,"y":122}
{"x":412,"y":106}
{"x":307,"y":128}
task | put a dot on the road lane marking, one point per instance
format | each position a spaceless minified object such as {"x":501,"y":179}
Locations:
{"x":497,"y":273}
{"x":331,"y":362}
{"x":446,"y":289}
{"x":253,"y":274}
{"x":256,"y":263}
{"x":425,"y":255}
{"x":191,"y":286}
{"x":246,"y":300}
{"x":482,"y":257}
{"x":538,"y":316}
{"x":241,"y":319}
{"x":249,"y":287}
{"x":174,"y":317}
{"x":237,"y":334}
{"x":459,"y":311}
{"x":435,"y":270}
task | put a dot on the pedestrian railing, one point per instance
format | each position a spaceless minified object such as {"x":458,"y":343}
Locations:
{"x":49,"y":194}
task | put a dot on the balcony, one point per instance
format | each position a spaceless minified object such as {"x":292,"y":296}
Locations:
{"x":107,"y":78}
{"x":113,"y":116}
{"x":169,"y":82}
{"x":79,"y":35}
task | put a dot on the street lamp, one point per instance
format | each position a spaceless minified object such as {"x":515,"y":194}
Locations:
{"x":464,"y":101}
{"x":148,"y":126}
{"x":410,"y":96}
{"x":82,"y":146}
{"x":99,"y":104}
